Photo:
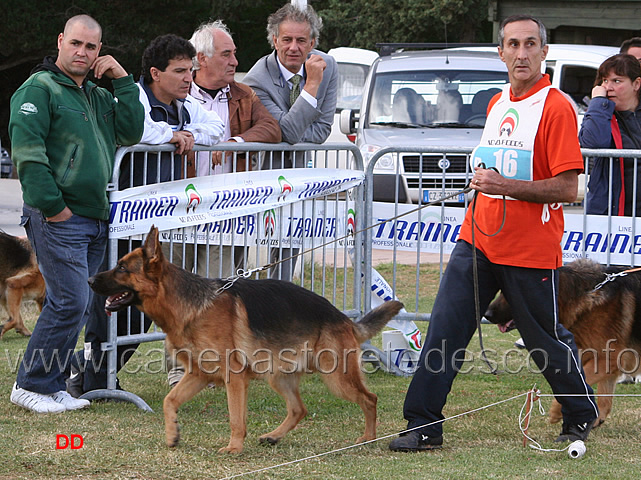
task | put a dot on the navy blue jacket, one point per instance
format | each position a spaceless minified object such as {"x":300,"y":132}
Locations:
{"x":159,"y":114}
{"x":596,"y":132}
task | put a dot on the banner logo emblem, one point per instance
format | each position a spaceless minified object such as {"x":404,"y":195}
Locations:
{"x":193,"y":197}
{"x":285,"y":188}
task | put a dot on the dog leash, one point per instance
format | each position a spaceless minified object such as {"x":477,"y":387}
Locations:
{"x":610,"y":277}
{"x":475,"y":273}
{"x":241,"y":273}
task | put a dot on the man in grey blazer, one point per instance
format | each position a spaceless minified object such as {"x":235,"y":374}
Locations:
{"x":298,"y":86}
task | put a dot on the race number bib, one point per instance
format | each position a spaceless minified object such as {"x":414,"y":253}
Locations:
{"x":512,"y":163}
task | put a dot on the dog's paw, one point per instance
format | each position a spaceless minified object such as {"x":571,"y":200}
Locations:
{"x":552,"y":418}
{"x":364,"y":438}
{"x":173,"y":442}
{"x":231,"y":449}
{"x":268,"y":440}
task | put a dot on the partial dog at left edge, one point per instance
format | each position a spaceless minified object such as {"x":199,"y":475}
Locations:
{"x":20,"y":280}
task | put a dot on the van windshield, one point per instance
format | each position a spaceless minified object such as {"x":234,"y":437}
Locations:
{"x":433,"y":98}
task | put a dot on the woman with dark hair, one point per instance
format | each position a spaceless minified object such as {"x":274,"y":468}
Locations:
{"x":613,"y":120}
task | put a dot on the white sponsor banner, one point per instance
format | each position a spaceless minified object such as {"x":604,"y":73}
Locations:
{"x":431,"y":224}
{"x":621,"y":242}
{"x":216,"y":198}
{"x":426,"y":226}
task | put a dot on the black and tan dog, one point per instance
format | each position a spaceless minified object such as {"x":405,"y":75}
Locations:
{"x":606,"y":324}
{"x":229,"y":334}
{"x":20,"y":279}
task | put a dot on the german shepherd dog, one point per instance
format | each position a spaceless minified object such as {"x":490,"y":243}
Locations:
{"x":20,"y":279}
{"x":606,"y":324}
{"x":230,"y":333}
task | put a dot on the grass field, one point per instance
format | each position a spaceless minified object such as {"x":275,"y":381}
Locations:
{"x":123,"y":442}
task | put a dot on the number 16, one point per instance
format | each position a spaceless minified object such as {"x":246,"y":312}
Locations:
{"x":506,"y":162}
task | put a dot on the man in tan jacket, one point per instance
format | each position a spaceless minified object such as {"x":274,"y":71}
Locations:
{"x":245,"y":117}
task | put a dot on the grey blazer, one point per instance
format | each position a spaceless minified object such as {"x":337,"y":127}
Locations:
{"x":301,"y":122}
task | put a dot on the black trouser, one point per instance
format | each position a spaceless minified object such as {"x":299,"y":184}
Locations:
{"x":95,"y":367}
{"x":532,"y":295}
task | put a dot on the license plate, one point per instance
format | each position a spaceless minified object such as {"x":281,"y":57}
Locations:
{"x":434,"y":195}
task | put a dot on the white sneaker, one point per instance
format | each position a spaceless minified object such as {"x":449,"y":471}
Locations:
{"x":36,"y":402}
{"x":67,"y":401}
{"x":519,"y":343}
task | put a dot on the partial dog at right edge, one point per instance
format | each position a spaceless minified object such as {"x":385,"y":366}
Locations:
{"x":606,"y":324}
{"x":20,"y":279}
{"x":230,"y":333}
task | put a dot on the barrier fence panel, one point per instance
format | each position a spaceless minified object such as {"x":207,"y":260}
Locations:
{"x":610,"y":238}
{"x":406,"y":229}
{"x":293,"y":216}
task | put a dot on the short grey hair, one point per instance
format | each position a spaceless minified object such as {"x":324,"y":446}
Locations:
{"x":203,"y":39}
{"x":518,"y":18}
{"x":294,"y":13}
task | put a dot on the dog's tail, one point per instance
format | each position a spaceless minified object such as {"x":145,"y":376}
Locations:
{"x":374,"y":321}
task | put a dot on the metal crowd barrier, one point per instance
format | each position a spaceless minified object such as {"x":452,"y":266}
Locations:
{"x":324,"y":270}
{"x":629,"y":223}
{"x":334,"y":263}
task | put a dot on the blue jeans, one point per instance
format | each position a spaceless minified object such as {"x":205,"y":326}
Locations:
{"x":68,"y":254}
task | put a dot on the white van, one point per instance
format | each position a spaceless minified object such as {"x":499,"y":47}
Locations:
{"x":572,"y":69}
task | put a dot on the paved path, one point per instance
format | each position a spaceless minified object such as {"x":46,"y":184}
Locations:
{"x":10,"y":206}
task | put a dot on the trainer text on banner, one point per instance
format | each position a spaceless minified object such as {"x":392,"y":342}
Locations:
{"x":432,"y":225}
{"x":200,"y":200}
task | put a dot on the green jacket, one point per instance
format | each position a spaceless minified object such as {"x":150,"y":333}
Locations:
{"x":64,"y":138}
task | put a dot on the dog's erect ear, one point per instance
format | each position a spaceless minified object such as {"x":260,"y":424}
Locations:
{"x":152,"y":249}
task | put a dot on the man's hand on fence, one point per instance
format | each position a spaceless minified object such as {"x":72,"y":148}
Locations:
{"x":183,"y":140}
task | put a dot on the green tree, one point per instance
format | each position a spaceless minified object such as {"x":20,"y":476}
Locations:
{"x":363,"y":23}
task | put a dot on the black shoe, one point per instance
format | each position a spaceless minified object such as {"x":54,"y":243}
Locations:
{"x":415,"y":441}
{"x":575,"y":432}
{"x":75,"y":383}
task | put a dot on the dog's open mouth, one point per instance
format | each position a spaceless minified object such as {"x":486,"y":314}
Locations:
{"x":506,"y":327}
{"x":118,"y":301}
